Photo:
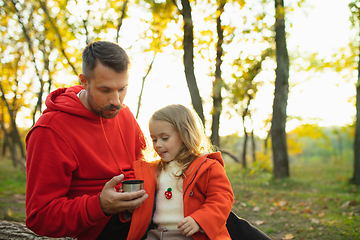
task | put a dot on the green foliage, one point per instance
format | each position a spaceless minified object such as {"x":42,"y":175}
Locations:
{"x":263,"y":163}
{"x":327,"y":144}
{"x":12,"y":180}
{"x":12,"y":192}
{"x":355,"y":10}
{"x":317,"y":202}
{"x":308,"y":143}
{"x":247,"y":69}
{"x":234,"y":144}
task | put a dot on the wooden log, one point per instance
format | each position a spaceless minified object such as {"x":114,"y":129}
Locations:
{"x":17,"y":230}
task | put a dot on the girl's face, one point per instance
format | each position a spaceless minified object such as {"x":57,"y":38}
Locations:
{"x":166,"y":140}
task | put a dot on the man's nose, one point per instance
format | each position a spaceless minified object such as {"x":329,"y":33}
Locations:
{"x":115,"y":99}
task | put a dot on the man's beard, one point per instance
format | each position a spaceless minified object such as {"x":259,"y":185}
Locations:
{"x":101,"y":111}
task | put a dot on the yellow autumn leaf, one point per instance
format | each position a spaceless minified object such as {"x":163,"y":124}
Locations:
{"x":259,"y":222}
{"x":288,"y":236}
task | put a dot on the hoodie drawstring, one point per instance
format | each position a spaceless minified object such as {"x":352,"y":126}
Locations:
{"x":122,"y":138}
{"x":112,"y":153}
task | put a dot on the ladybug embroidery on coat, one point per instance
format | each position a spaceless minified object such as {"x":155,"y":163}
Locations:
{"x":168,"y":193}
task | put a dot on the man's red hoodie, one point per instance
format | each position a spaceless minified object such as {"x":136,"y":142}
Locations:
{"x":71,"y":154}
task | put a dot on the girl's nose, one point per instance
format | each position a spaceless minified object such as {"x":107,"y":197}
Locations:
{"x":158,"y":145}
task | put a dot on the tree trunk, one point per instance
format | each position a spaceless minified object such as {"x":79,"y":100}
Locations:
{"x":244,"y":114}
{"x":356,"y":175}
{"x":243,"y":159}
{"x":189,"y":60}
{"x":218,"y":82}
{"x":16,"y":230}
{"x":278,"y":134}
{"x":12,"y":148}
{"x":15,"y":135}
{"x":253,"y":145}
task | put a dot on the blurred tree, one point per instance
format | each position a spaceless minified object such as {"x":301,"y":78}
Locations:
{"x":355,"y":9}
{"x":156,"y":33}
{"x":225,"y":35}
{"x":278,"y":133}
{"x":12,"y":136}
{"x":41,"y":41}
{"x":218,"y":82}
{"x":188,"y":43}
{"x":244,"y":90}
{"x":142,"y":86}
{"x":164,"y":13}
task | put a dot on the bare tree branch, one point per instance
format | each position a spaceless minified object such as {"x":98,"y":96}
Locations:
{"x":121,"y":18}
{"x":142,"y":86}
{"x":33,"y":59}
{"x":236,"y":159}
{"x":45,"y":9}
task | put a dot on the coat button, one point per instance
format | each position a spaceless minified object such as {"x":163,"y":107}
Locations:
{"x":191,"y":193}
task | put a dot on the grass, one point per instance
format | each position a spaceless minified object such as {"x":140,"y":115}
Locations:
{"x":12,"y":192}
{"x":316,"y":202}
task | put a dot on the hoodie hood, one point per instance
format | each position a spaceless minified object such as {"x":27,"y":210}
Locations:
{"x":66,"y":100}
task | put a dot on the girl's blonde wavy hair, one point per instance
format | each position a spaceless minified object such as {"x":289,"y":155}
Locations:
{"x":191,"y":131}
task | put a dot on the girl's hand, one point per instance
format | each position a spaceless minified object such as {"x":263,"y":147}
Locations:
{"x":188,"y":226}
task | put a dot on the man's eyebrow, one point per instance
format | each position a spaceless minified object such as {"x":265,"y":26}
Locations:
{"x":102,"y":86}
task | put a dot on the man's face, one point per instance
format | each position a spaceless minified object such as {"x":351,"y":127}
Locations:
{"x":106,"y":91}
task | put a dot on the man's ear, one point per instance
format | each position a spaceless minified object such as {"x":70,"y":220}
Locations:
{"x":83,"y":80}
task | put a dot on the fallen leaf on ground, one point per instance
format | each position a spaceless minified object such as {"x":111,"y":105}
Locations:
{"x":280,"y":203}
{"x":345,"y":204}
{"x":306,"y":210}
{"x":348,"y":204}
{"x":259,"y":222}
{"x":321,"y":214}
{"x":288,"y":236}
{"x":314,"y":220}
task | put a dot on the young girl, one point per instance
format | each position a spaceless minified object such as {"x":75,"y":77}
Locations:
{"x":193,"y":196}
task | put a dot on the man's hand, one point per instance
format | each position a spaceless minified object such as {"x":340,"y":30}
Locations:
{"x":188,"y":226}
{"x":113,"y":202}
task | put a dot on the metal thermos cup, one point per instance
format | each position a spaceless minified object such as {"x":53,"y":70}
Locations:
{"x":132,"y":185}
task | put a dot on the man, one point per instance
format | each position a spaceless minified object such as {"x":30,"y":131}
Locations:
{"x":80,"y":150}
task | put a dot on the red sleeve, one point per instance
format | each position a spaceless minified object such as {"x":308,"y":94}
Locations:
{"x":218,"y":203}
{"x":50,"y":212}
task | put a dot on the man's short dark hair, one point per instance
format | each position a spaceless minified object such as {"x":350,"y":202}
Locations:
{"x":108,"y":54}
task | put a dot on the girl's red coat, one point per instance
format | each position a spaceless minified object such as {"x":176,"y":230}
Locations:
{"x":207,"y":197}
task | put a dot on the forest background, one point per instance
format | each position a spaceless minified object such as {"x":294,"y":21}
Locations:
{"x":231,"y":77}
